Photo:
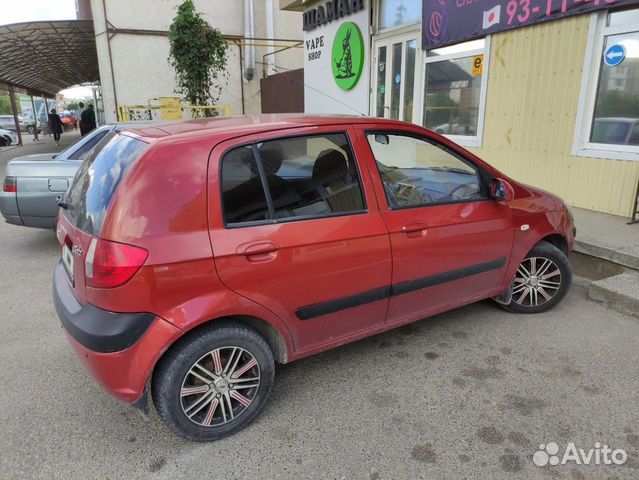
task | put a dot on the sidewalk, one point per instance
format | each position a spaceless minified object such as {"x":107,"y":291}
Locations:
{"x":607,"y":237}
{"x":611,"y":259}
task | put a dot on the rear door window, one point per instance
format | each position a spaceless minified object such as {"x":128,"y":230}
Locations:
{"x":243,"y":195}
{"x":291,"y":179}
{"x":311,"y":176}
{"x":98,"y":178}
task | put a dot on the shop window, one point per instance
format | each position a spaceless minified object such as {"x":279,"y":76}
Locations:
{"x":393,"y":13}
{"x":455,"y":91}
{"x":608,"y":117}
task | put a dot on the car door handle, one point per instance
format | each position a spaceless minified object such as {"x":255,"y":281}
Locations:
{"x":257,"y":248}
{"x":415,"y":229}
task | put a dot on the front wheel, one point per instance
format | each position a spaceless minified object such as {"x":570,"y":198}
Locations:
{"x":541,"y":281}
{"x":214,"y":382}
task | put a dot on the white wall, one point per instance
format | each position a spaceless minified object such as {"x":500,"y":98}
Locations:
{"x":321,"y":93}
{"x":140,"y":62}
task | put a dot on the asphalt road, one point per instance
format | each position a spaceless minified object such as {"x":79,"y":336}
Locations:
{"x":467,"y":394}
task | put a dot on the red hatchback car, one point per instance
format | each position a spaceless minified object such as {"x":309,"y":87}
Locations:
{"x":195,"y":255}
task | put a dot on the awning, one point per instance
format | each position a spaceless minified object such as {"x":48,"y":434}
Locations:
{"x":46,"y":57}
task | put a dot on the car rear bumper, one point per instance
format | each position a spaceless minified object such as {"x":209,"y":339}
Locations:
{"x":118,"y":349}
{"x":9,"y":208}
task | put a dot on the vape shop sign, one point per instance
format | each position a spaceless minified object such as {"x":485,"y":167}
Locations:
{"x":446,"y":22}
{"x":336,"y":51}
{"x":314,"y":47}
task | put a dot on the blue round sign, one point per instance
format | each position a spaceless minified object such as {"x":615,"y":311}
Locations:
{"x":614,"y":55}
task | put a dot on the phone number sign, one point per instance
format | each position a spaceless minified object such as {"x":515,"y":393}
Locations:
{"x":446,"y":22}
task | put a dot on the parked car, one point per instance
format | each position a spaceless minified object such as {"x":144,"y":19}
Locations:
{"x":8,"y":123}
{"x":31,"y":127}
{"x":7,"y":137}
{"x":190,"y":266}
{"x":68,"y":120}
{"x":616,"y":130}
{"x":32,"y":183}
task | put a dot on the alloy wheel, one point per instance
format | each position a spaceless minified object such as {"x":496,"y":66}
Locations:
{"x":220,"y":386}
{"x":537,"y":281}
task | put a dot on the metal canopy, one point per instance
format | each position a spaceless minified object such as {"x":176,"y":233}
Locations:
{"x":46,"y":57}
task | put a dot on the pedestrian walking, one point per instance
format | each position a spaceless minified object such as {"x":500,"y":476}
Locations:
{"x":78,"y":117}
{"x":88,"y":119}
{"x":55,"y":125}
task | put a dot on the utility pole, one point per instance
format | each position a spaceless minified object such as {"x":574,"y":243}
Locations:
{"x":35,"y":120}
{"x":14,"y":107}
{"x":46,"y":112}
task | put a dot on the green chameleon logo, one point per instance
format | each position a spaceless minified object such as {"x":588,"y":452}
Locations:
{"x":347,"y":56}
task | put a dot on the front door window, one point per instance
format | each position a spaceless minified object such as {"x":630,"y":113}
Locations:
{"x":417,"y":173}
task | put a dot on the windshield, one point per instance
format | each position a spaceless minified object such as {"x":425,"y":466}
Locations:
{"x":98,"y":178}
{"x":81,"y":149}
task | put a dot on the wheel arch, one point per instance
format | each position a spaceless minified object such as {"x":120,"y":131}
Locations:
{"x":557,"y":240}
{"x":272,"y":336}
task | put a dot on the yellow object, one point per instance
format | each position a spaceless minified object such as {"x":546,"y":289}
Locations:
{"x":534,"y":81}
{"x":478,"y":65}
{"x":170,"y":108}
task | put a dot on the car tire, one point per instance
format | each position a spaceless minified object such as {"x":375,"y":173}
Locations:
{"x":202,"y":386}
{"x":542,"y":280}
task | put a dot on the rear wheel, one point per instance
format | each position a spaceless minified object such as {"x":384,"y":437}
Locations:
{"x":214,"y":382}
{"x":541,"y":281}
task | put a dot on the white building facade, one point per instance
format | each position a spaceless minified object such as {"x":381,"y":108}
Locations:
{"x":133,"y":49}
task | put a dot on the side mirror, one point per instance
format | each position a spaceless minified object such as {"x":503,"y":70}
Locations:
{"x":382,"y":139}
{"x":501,"y":190}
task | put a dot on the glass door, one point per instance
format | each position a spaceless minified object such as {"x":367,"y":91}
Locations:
{"x":394,"y":77}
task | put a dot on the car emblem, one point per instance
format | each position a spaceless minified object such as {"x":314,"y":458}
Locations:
{"x":77,"y":251}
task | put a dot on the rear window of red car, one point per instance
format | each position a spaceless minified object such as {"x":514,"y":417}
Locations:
{"x":98,"y":178}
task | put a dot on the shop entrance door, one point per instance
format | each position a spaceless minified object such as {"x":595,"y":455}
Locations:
{"x":394,"y":87}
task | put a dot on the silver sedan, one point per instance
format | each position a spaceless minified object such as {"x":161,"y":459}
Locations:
{"x":33,"y":182}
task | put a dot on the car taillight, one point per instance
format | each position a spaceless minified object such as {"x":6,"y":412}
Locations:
{"x":10,"y":184}
{"x":110,"y":264}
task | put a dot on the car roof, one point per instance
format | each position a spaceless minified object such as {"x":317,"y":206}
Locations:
{"x":245,"y":125}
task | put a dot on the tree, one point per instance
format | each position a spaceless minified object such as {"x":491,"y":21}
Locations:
{"x":198,"y":55}
{"x":5,"y":105}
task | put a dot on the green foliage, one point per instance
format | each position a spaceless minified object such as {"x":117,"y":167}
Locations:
{"x":5,"y":105}
{"x":198,"y":55}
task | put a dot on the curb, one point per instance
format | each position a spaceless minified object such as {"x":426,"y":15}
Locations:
{"x":620,"y":293}
{"x":614,"y":256}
